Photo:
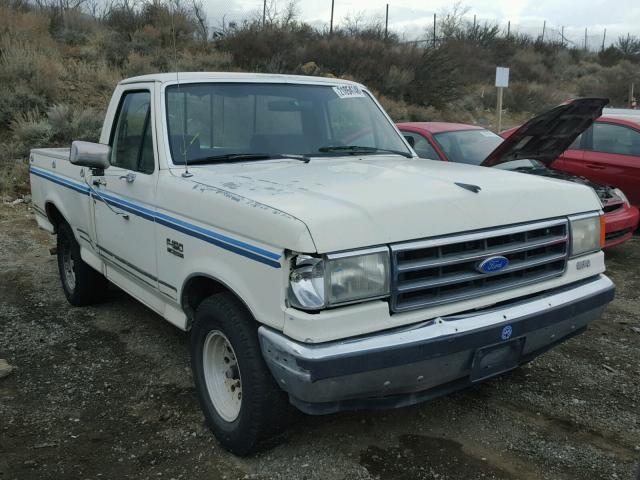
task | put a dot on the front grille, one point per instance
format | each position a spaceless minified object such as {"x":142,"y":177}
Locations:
{"x":444,"y":269}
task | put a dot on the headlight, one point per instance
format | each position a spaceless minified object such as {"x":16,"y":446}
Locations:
{"x":335,"y":279}
{"x":623,"y":197}
{"x":587,"y":233}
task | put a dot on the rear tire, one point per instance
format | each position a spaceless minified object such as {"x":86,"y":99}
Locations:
{"x":82,"y":285}
{"x":241,"y":402}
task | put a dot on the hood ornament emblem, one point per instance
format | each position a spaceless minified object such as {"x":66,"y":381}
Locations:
{"x":468,"y":186}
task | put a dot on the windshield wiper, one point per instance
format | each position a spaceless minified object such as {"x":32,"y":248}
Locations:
{"x":230,"y":157}
{"x":355,"y":149}
{"x":302,"y":158}
{"x":242,"y":157}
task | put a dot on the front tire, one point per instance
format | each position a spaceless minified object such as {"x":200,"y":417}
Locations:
{"x":241,"y":402}
{"x":82,"y":284}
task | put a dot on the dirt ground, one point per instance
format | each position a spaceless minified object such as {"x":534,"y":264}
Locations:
{"x":106,"y":392}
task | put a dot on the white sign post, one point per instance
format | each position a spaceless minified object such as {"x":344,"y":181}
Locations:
{"x":502,"y":82}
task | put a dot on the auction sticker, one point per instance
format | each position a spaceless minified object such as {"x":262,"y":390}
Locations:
{"x":348,"y":91}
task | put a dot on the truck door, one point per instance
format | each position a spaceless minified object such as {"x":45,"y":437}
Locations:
{"x":124,"y":211}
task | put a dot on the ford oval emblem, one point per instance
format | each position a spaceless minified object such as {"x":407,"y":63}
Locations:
{"x":493,"y":264}
{"x":506,"y":333}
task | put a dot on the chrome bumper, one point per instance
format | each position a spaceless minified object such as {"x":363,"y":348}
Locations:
{"x":408,"y":365}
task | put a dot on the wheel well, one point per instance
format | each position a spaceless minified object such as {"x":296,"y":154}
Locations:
{"x":197,"y":289}
{"x":54,"y":215}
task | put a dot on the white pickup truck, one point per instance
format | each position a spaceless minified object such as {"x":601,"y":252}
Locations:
{"x":315,"y":259}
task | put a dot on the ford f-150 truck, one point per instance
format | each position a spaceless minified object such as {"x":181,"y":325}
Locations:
{"x":315,"y":259}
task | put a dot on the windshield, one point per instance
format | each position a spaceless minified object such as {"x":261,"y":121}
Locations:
{"x":468,"y":146}
{"x":217,"y":121}
{"x":523,"y":164}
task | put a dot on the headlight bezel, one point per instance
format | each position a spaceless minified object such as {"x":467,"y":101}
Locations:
{"x":580,"y":221}
{"x":329,"y":261}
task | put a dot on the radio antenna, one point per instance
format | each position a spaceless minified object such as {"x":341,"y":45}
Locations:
{"x":186,"y":173}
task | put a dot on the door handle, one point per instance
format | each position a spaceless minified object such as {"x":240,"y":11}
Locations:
{"x":593,"y":166}
{"x":129,"y":177}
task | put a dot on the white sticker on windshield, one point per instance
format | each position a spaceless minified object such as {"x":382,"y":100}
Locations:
{"x":487,"y":133}
{"x":348,"y":91}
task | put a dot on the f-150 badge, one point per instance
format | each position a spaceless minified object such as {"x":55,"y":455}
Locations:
{"x":175,"y":248}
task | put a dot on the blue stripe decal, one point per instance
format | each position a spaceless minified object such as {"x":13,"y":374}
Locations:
{"x":236,"y":246}
{"x":78,"y":187}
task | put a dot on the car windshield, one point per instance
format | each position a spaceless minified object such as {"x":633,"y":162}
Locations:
{"x":213,"y":122}
{"x":468,"y":146}
{"x":522,"y":164}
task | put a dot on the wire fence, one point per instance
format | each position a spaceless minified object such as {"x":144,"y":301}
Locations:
{"x":572,"y":36}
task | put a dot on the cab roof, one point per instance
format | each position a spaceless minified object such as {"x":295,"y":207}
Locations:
{"x":192,"y":77}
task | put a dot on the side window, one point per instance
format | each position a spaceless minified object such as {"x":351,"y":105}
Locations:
{"x":577,"y":143}
{"x":131,"y":143}
{"x":422,"y":146}
{"x":618,"y":139}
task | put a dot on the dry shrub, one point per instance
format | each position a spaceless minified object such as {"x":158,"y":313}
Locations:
{"x":528,"y":65}
{"x":397,"y":79}
{"x":68,"y":123}
{"x":137,"y":64}
{"x":14,"y":173}
{"x":24,"y":63}
{"x":210,"y":60}
{"x":61,"y":125}
{"x":532,"y":97}
{"x":400,"y":111}
{"x":610,"y":82}
{"x":18,"y":99}
{"x":95,"y":79}
{"x":30,"y":130}
{"x":25,"y":26}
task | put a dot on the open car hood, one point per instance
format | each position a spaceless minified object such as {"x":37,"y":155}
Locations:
{"x":546,"y":136}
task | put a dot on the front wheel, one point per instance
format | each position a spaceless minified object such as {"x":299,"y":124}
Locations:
{"x":240,"y":400}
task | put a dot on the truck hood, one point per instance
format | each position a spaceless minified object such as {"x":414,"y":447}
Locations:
{"x":351,"y":202}
{"x":546,"y":136}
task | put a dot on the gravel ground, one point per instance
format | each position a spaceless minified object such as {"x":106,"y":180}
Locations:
{"x":106,"y":392}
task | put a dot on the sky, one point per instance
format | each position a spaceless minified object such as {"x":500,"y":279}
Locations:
{"x":411,"y":18}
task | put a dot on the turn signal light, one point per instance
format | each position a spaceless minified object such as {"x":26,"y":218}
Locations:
{"x":602,"y":231}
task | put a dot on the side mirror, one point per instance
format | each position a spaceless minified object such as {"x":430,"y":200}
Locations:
{"x":92,"y":155}
{"x":411,"y":140}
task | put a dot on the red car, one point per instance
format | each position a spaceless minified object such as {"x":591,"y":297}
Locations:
{"x":608,"y":153}
{"x":529,"y":149}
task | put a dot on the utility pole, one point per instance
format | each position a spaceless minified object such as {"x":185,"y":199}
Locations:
{"x":604,"y":36}
{"x":544,"y":27}
{"x":585,"y":39}
{"x":264,"y":13}
{"x":434,"y":30}
{"x":474,"y":22}
{"x":386,"y":23}
{"x":562,"y":35}
{"x":508,"y":28}
{"x":331,"y":22}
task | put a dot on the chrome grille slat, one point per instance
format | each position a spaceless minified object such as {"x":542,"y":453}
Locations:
{"x":443,"y":270}
{"x":411,"y":266}
{"x":466,"y":277}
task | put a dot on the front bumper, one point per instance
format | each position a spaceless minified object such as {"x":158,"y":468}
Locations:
{"x":620,"y":225}
{"x":404,"y":366}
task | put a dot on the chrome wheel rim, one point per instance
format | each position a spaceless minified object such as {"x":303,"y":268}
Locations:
{"x":68,"y":267}
{"x":222,"y":375}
